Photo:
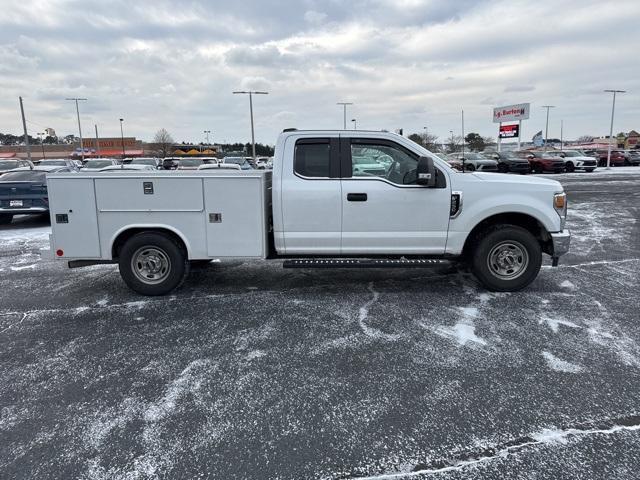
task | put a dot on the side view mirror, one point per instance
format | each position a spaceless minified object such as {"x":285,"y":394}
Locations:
{"x":426,"y":172}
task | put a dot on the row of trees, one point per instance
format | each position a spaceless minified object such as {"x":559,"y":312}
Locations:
{"x":10,"y":139}
{"x":473,"y":141}
{"x":165,"y":145}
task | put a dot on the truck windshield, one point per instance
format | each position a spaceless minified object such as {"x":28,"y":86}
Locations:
{"x":190,"y":162}
{"x":8,"y":165}
{"x":98,"y":163}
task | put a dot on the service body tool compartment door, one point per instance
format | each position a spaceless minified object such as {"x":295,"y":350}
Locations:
{"x":74,"y":221}
{"x":161,"y":201}
{"x":236,"y":215}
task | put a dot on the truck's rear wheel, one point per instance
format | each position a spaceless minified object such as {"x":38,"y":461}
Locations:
{"x":506,"y":258}
{"x":153,"y":263}
{"x":5,"y":218}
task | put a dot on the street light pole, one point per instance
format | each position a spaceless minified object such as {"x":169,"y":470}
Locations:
{"x":24,"y":127}
{"x":251,"y":93}
{"x":613,"y":110}
{"x":355,"y":123}
{"x":344,"y":112}
{"x":97,"y":142}
{"x":41,"y":135}
{"x":546,"y":132}
{"x":122,"y":139}
{"x":207,"y":132}
{"x":75,"y":99}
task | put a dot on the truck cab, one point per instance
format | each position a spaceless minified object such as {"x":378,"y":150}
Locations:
{"x":334,"y":198}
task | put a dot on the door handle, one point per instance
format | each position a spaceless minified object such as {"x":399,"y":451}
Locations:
{"x":357,"y":197}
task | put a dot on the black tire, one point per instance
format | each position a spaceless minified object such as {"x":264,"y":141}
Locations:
{"x":145,"y":252}
{"x":469,"y":168}
{"x":5,"y":218}
{"x":503,"y":168}
{"x":509,"y":249}
{"x":537,"y":169}
{"x":569,"y":167}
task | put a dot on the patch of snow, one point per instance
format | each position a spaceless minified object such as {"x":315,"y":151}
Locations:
{"x":554,"y":322}
{"x":462,"y":333}
{"x":363,"y":315}
{"x":568,"y":285}
{"x":559,"y":365}
{"x":189,"y":381}
{"x":253,"y":354}
{"x":24,"y":267}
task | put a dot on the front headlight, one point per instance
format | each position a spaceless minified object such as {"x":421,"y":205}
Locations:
{"x":560,"y":206}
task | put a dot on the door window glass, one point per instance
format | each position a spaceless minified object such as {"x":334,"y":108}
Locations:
{"x":384,"y":161}
{"x":312,"y":159}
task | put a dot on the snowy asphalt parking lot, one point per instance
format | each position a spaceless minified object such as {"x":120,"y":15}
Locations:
{"x":252,"y":371}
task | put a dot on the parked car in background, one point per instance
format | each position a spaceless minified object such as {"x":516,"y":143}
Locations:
{"x":97,"y":164}
{"x":632,"y":157}
{"x":59,"y":162}
{"x":474,"y":161}
{"x":510,"y":162}
{"x":154,"y":162}
{"x":617,"y":157}
{"x":270,"y":163}
{"x":127,"y":167}
{"x":189,"y":163}
{"x":169,"y":163}
{"x":242,"y":161}
{"x":543,"y":162}
{"x":261,"y":162}
{"x":576,"y":160}
{"x":24,"y":191}
{"x":216,"y":166}
{"x":6,"y":165}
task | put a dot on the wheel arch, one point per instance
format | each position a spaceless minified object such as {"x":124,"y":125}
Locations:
{"x":121,"y":236}
{"x":519,"y":219}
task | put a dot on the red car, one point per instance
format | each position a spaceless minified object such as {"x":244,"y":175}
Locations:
{"x":617,"y":158}
{"x":541,"y":162}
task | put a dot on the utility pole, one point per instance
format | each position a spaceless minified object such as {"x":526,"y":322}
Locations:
{"x":122,"y":139}
{"x":251,"y":93}
{"x":561,"y":135}
{"x":75,"y":99}
{"x":613,"y":110}
{"x":546,"y":133}
{"x":97,"y":142}
{"x":41,"y":136}
{"x":24,"y":127}
{"x":426,"y":132}
{"x":344,"y":107}
{"x":463,"y":140}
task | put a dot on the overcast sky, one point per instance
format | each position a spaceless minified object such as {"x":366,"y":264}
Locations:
{"x":404,"y":63}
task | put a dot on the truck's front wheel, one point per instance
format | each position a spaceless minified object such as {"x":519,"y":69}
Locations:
{"x":153,"y":263}
{"x":507,"y":258}
{"x":5,"y":218}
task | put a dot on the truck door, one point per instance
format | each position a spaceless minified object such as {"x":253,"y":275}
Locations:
{"x":384,"y":211}
{"x":311,"y":196}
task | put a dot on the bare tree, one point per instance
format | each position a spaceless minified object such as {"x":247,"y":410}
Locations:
{"x":427,"y":140}
{"x":585,"y":138}
{"x":163,"y":141}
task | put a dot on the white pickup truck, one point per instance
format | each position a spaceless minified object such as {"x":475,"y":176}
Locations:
{"x":339,"y":199}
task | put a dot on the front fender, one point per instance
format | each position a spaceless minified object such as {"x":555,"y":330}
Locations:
{"x":476,"y":210}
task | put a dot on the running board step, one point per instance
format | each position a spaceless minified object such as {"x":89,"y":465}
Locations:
{"x":364,"y":263}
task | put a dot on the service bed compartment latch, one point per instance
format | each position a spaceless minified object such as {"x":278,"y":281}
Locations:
{"x":147,"y":187}
{"x":215,"y":218}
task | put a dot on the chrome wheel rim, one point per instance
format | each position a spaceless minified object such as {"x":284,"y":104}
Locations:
{"x":151,"y":265}
{"x":508,"y":260}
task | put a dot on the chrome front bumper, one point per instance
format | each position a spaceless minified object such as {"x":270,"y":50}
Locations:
{"x":561,"y":242}
{"x":24,"y":210}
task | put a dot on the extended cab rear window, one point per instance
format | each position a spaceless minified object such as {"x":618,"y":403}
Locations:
{"x":313,"y":158}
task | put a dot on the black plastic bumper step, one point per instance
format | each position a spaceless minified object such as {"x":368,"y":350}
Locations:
{"x":364,"y":263}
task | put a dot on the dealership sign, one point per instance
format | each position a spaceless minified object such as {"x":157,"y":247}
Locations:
{"x":509,"y":131}
{"x":511,"y":113}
